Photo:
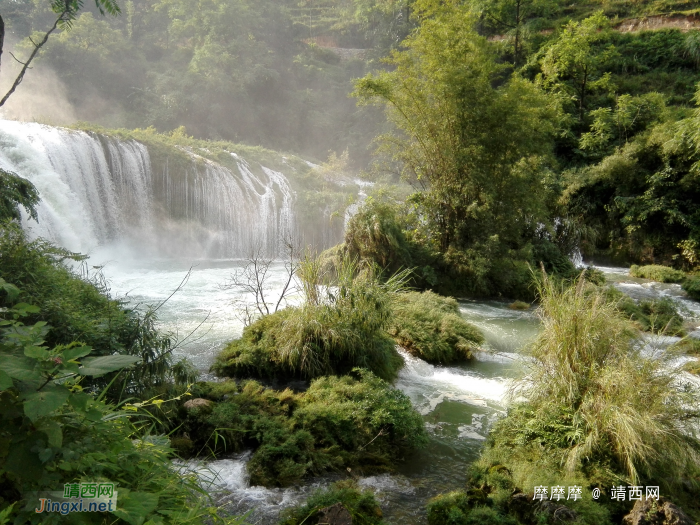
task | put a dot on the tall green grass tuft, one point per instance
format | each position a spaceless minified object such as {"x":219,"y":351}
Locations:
{"x":429,"y":326}
{"x":692,"y":287}
{"x":625,"y":405}
{"x":339,"y":327}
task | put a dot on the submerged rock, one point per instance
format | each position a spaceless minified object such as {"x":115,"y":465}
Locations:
{"x":652,"y":512}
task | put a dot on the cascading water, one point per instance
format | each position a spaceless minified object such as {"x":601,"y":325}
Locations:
{"x":97,"y":190}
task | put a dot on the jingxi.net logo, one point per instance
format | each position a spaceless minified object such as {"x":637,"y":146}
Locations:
{"x":79,"y":497}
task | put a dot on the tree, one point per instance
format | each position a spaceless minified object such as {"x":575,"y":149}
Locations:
{"x":475,"y":150}
{"x":67,"y":11}
{"x":514,"y":17}
{"x":573,"y":65}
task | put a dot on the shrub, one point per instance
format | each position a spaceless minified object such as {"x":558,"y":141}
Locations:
{"x":692,"y":287}
{"x":56,"y":433}
{"x":362,"y":505}
{"x":430,"y":327}
{"x":339,"y":422}
{"x":656,"y":272}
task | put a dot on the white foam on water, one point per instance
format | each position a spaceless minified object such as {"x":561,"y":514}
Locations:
{"x":428,"y":385}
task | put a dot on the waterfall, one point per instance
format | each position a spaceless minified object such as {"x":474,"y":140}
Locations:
{"x":99,"y":191}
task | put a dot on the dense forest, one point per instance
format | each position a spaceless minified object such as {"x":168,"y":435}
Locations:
{"x":501,"y":142}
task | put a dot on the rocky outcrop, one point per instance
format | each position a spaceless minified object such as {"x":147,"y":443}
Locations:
{"x":652,"y":512}
{"x":529,"y":511}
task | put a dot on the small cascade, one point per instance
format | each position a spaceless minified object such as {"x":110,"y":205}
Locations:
{"x":98,"y":191}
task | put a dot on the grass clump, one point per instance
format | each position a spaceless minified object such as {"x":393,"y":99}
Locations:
{"x":598,"y":412}
{"x":361,"y":505}
{"x":656,"y":272}
{"x":337,"y":329}
{"x":358,"y":422}
{"x":692,"y":287}
{"x":429,"y":326}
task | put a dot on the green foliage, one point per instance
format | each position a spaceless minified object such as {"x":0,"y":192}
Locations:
{"x":338,"y":423}
{"x":79,"y":309}
{"x":336,"y":329}
{"x":465,"y":508}
{"x":692,"y":287}
{"x":54,"y":432}
{"x":362,"y":505}
{"x":655,"y":272}
{"x":430,"y":327}
{"x":571,"y":65}
{"x":15,"y":192}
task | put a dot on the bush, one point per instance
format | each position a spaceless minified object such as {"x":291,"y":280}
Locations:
{"x":335,"y":330}
{"x":692,"y":287}
{"x":430,"y":327}
{"x":362,"y":505}
{"x":55,"y":433}
{"x":656,"y":272}
{"x":339,"y":422}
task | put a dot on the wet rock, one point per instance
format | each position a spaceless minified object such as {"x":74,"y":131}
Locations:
{"x":336,"y":514}
{"x":527,"y":510}
{"x":652,"y":512}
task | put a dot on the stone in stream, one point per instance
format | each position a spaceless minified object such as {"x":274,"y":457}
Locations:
{"x":336,"y":514}
{"x":652,"y":512}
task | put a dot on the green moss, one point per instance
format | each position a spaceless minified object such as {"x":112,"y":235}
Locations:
{"x":430,"y":327}
{"x":361,"y":505}
{"x":656,"y":272}
{"x":345,"y":422}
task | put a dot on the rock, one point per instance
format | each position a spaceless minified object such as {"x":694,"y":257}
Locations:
{"x":198,"y":403}
{"x":336,"y":514}
{"x":652,"y":512}
{"x":527,"y":510}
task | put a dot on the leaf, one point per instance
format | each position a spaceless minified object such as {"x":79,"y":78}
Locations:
{"x":75,"y":353}
{"x":79,"y":401}
{"x":106,"y":364}
{"x":21,"y":368}
{"x":53,"y":431}
{"x":135,"y":506}
{"x":5,"y":381}
{"x":44,"y":402}
{"x":37,"y":352}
